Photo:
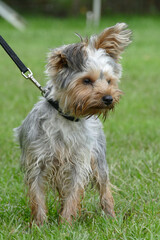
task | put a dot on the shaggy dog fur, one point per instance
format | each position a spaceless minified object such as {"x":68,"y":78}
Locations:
{"x":63,"y":152}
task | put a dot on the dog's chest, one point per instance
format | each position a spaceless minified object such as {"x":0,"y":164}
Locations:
{"x":74,"y":139}
{"x":76,"y":136}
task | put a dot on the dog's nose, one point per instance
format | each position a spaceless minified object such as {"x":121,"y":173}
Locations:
{"x":107,"y":99}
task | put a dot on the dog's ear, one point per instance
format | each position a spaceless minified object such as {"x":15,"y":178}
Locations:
{"x":56,"y":60}
{"x":70,"y":56}
{"x":113,"y":40}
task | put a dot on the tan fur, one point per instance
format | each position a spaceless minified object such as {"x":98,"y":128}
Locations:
{"x":114,"y":40}
{"x":106,"y":198}
{"x":38,"y":206}
{"x":87,"y":101}
{"x":71,"y":205}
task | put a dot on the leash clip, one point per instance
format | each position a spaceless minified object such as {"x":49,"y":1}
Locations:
{"x":36,"y":83}
{"x":30,"y":74}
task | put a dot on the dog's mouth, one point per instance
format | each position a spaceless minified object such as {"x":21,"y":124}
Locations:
{"x":101,"y":109}
{"x":104,"y":107}
{"x":89,"y":105}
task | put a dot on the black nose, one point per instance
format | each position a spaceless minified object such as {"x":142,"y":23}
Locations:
{"x":107,"y":99}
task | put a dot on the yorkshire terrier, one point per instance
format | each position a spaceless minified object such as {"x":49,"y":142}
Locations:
{"x":62,"y":139}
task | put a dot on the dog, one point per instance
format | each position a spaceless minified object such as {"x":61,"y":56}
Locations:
{"x":62,"y":140}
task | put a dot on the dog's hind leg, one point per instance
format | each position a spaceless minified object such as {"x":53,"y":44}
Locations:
{"x":100,"y":173}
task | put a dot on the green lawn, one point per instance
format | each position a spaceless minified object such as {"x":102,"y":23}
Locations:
{"x":132,"y":131}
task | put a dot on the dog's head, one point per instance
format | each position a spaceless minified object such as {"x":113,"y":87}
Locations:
{"x":85,"y":75}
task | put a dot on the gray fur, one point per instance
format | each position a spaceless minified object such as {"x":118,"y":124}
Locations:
{"x":42,"y":134}
{"x":64,"y":153}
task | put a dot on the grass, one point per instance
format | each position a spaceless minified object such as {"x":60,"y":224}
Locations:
{"x":132,"y":131}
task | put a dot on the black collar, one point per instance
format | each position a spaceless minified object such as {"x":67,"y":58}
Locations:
{"x":55,"y":104}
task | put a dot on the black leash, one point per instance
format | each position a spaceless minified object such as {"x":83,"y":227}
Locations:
{"x":20,"y":64}
{"x":24,"y":70}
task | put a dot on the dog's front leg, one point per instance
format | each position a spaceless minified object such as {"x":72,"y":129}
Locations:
{"x":70,"y":188}
{"x":100,"y":173}
{"x":36,"y":184}
{"x":70,"y":205}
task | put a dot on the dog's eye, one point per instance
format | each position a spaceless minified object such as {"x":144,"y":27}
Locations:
{"x":87,"y":81}
{"x":109,"y":81}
